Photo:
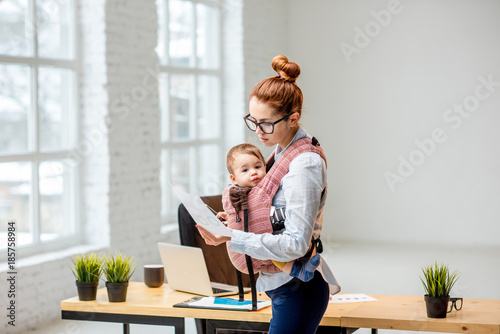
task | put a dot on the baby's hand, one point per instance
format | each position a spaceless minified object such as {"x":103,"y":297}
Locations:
{"x":222,"y":215}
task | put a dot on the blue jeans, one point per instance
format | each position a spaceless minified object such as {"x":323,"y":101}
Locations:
{"x":299,"y":306}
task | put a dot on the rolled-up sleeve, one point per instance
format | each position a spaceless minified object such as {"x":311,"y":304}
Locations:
{"x":302,"y":186}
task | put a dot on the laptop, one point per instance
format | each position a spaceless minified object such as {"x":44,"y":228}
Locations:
{"x":186,"y":270}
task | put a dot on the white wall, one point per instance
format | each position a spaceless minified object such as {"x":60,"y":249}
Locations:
{"x":370,"y":107}
{"x":265,"y":36}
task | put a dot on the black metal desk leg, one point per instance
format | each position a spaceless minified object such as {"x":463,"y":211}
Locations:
{"x":179,"y":326}
{"x":374,"y":331}
{"x":126,"y":328}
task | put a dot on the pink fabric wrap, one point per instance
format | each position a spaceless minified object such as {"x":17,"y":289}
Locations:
{"x":259,"y":204}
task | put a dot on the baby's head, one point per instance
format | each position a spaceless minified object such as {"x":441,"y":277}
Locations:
{"x":246,"y":165}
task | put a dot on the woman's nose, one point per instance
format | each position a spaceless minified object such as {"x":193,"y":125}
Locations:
{"x":258,"y":130}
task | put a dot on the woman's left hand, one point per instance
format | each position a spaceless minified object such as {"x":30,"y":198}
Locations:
{"x":210,"y":239}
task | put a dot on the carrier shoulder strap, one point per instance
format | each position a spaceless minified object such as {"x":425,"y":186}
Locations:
{"x":278,"y":169}
{"x":253,"y":285}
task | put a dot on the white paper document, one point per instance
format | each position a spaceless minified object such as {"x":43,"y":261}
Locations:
{"x":202,"y":214}
{"x":351,"y":298}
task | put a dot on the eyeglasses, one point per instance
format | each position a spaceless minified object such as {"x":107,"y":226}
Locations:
{"x":457,"y":303}
{"x":266,"y":127}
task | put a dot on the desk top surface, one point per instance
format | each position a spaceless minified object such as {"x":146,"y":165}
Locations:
{"x":409,"y":313}
{"x":388,"y":312}
{"x":142,"y":300}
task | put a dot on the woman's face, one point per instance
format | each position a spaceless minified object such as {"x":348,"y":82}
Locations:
{"x":283,"y":131}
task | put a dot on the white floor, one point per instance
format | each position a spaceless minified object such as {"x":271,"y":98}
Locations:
{"x":370,"y":269}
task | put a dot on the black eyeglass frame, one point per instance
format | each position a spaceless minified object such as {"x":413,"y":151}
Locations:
{"x":453,"y":302}
{"x":247,"y":119}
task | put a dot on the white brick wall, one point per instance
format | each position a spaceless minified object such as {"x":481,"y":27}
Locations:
{"x":93,"y":115}
{"x":234,"y":99}
{"x":134,"y":151}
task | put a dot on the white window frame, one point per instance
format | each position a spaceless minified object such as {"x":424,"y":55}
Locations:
{"x":168,"y":145}
{"x":35,"y":157}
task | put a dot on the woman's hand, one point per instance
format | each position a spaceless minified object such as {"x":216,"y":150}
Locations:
{"x":210,"y":239}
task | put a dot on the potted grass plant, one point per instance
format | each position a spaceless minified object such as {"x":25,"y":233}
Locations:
{"x":118,"y":270}
{"x":438,"y":282}
{"x":87,"y":269}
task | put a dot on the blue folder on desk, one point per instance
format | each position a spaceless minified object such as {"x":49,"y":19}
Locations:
{"x":220,"y":303}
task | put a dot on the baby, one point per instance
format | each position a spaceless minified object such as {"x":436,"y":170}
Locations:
{"x":247,"y":167}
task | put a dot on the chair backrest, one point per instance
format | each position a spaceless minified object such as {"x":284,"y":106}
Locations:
{"x":220,"y":268}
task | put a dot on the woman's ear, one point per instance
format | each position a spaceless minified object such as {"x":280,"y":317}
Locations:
{"x":294,"y":119}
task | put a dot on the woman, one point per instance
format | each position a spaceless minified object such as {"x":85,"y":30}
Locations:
{"x":275,"y":109}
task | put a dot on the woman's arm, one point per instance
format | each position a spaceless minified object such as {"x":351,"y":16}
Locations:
{"x":302,"y":186}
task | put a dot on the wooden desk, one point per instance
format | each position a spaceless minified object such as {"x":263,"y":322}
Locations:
{"x":155,"y":306}
{"x":408,"y":313}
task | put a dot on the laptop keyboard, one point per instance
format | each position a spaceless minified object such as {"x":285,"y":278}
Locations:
{"x":217,"y":290}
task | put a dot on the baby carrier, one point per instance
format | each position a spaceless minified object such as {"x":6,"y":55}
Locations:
{"x":249,"y":209}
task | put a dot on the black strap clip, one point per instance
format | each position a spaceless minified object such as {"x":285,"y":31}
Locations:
{"x":319,"y":245}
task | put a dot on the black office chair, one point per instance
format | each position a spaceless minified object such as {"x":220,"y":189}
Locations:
{"x":220,"y":268}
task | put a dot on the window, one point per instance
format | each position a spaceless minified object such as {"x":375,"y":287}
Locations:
{"x":189,"y":51}
{"x":38,"y":112}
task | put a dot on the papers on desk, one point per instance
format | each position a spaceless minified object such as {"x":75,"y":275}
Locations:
{"x":222,"y":303}
{"x":201,"y":214}
{"x":351,"y":298}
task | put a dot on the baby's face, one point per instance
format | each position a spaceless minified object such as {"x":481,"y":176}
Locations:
{"x":248,"y":170}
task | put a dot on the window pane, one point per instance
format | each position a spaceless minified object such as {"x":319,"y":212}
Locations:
{"x":181,"y":90}
{"x":181,"y":33}
{"x":56,"y":105}
{"x":15,"y":104}
{"x":180,"y":172}
{"x":181,"y":168}
{"x":15,"y":201}
{"x":162,"y":32}
{"x":208,"y":106}
{"x":16,"y":28}
{"x":207,"y":36}
{"x":211,"y":174}
{"x":164,"y":119}
{"x":55,"y":28}
{"x":56,"y":205}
